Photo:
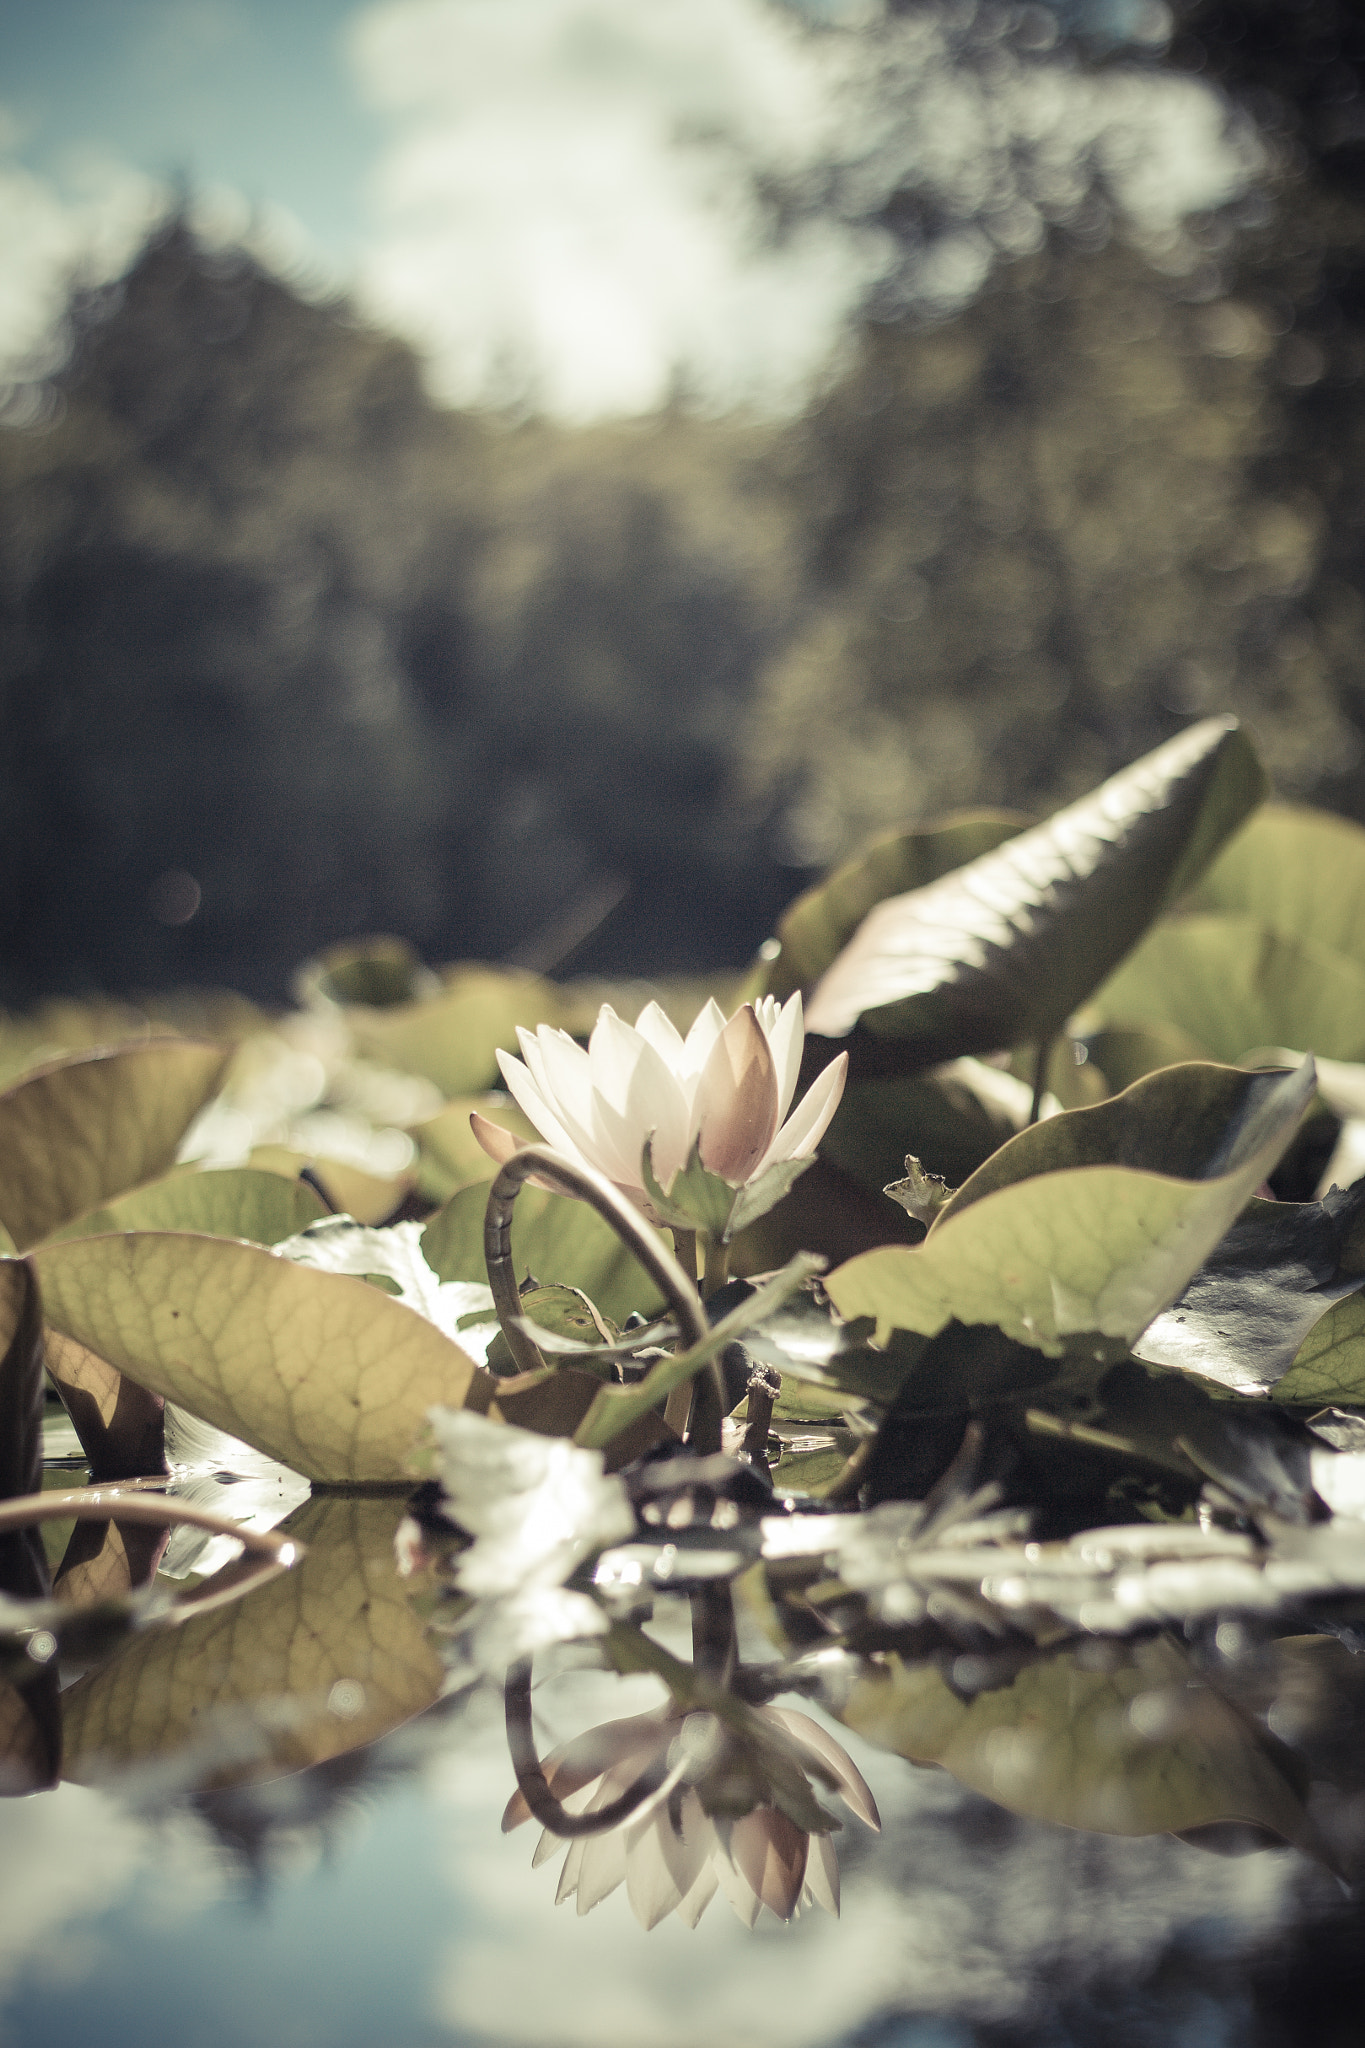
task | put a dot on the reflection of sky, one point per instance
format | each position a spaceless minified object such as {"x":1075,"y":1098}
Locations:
{"x":419,"y":1923}
{"x":557,"y":198}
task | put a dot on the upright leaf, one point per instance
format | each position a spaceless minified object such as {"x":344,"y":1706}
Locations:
{"x":1089,"y":1248}
{"x":82,"y":1129}
{"x":321,"y":1371}
{"x":1001,"y":951}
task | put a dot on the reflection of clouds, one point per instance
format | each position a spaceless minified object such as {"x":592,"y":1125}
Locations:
{"x":67,"y":1855}
{"x":938,"y":1916}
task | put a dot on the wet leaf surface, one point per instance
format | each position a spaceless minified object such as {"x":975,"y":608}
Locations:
{"x":323,"y":1372}
{"x":1000,"y":952}
{"x":74,"y":1133}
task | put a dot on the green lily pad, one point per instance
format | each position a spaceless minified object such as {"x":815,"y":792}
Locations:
{"x":815,"y":929}
{"x":561,"y":1242}
{"x":1329,"y":1366}
{"x":1000,"y":952}
{"x":238,"y":1201}
{"x":1133,"y":1743}
{"x":1231,"y":984}
{"x":454,"y":1038}
{"x":449,"y":1154}
{"x":319,"y":1370}
{"x":1299,"y":872}
{"x":1091,"y":1248}
{"x":82,"y":1129}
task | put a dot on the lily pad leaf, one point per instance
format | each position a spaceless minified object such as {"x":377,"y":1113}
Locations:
{"x":1246,"y":1313}
{"x":1003,"y":950}
{"x":237,"y":1201}
{"x":1142,"y":1747}
{"x":815,"y":929}
{"x":450,"y":1156}
{"x":318,"y":1370}
{"x":454,"y":1038}
{"x":1329,"y":1366}
{"x":1232,"y":984}
{"x":338,"y":1638}
{"x":1299,"y":872}
{"x":558,"y":1241}
{"x":1089,"y":1248}
{"x":82,"y":1129}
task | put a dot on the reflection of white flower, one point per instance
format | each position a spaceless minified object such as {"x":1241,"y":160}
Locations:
{"x":672,"y":1855}
{"x":725,"y":1088}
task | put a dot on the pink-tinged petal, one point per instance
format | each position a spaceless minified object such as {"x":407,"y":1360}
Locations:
{"x":706,"y":1028}
{"x":496,"y":1142}
{"x":770,"y":1852}
{"x":811,"y":1118}
{"x":649,"y":1881}
{"x":734,"y":1110}
{"x":699,"y":1898}
{"x":853,"y":1787}
{"x":822,"y":1874}
{"x":786,"y":1036}
{"x":576,"y":1764}
{"x":657,"y":1027}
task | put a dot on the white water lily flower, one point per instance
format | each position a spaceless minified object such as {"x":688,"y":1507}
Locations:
{"x":672,"y":1856}
{"x":725,"y":1089}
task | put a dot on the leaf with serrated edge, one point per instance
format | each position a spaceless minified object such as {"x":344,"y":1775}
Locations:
{"x":1232,"y":984}
{"x":82,"y":1129}
{"x":341,"y":1615}
{"x":320,"y":1371}
{"x":1001,"y":951}
{"x":1102,"y":1248}
{"x":1141,"y":1749}
{"x":234,"y":1201}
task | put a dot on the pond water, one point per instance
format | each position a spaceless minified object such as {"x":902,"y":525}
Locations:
{"x":279,"y":1831}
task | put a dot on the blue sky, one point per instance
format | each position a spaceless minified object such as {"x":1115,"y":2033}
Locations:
{"x":555,"y":200}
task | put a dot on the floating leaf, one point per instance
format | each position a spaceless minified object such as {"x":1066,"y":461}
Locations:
{"x":1299,"y":872}
{"x":1092,"y":1248}
{"x":1248,"y":1310}
{"x":369,"y":1197}
{"x":1001,"y":951}
{"x":1138,"y":1746}
{"x":306,"y":1667}
{"x":321,"y":1371}
{"x":451,"y":1156}
{"x":453,"y":1039}
{"x":1329,"y":1366}
{"x":561,"y":1242}
{"x":1232,"y":984}
{"x":817,"y":927}
{"x":82,"y":1129}
{"x":237,"y":1201}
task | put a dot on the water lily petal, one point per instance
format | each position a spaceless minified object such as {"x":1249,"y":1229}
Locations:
{"x":692,"y":1907}
{"x":706,"y":1028}
{"x":521,"y":1086}
{"x":635,"y":1094}
{"x":735,"y":1107}
{"x":650,"y":1885}
{"x":497,"y":1143}
{"x":575,"y":1764}
{"x":809,"y":1121}
{"x":822,"y":1875}
{"x":658,"y":1027}
{"x":559,"y":1067}
{"x":687,"y":1849}
{"x":601,"y":1869}
{"x":853,"y":1787}
{"x":786,"y":1036}
{"x":743,"y":1900}
{"x":573,"y":1864}
{"x":770,"y":1852}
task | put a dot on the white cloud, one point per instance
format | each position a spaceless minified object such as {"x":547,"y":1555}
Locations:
{"x":567,"y":198}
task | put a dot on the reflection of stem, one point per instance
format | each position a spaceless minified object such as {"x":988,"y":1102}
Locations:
{"x":567,"y":1177}
{"x":713,"y":1632}
{"x":111,"y":1504}
{"x":717,"y":1266}
{"x":535,"y":1787}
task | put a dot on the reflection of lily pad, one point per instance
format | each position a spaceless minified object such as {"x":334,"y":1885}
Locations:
{"x":74,"y":1133}
{"x":1127,"y":1743}
{"x":320,"y":1371}
{"x":320,"y":1661}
